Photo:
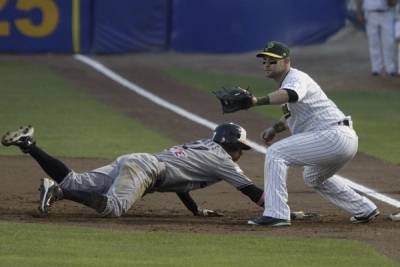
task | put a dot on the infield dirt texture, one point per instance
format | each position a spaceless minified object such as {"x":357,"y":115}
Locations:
{"x":340,"y":64}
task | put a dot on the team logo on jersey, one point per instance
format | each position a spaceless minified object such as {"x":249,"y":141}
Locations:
{"x":178,"y":152}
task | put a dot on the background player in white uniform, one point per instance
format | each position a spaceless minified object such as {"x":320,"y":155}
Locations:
{"x":111,"y":190}
{"x":379,"y":17}
{"x":322,"y":141}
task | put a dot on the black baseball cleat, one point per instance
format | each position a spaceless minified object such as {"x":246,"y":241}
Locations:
{"x":50,"y":192}
{"x":269,"y":221}
{"x":22,"y":138}
{"x":365,"y":219}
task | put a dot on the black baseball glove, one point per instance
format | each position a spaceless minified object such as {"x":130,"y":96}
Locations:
{"x":234,"y":99}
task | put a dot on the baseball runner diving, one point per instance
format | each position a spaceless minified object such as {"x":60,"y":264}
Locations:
{"x":322,"y":140}
{"x":112,"y":190}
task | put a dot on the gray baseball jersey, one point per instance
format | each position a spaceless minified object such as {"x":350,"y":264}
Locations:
{"x":199,"y":164}
{"x":320,"y":142}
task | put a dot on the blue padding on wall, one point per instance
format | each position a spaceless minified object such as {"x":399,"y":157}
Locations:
{"x":207,"y":26}
{"x":43,"y":26}
{"x":126,"y":25}
{"x":227,"y":26}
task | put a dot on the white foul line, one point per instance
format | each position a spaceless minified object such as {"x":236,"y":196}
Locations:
{"x":193,"y":117}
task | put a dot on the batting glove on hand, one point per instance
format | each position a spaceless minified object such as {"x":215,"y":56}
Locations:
{"x":209,"y":213}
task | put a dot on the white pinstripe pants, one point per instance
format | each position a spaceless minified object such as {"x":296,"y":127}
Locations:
{"x":322,"y":153}
{"x":381,"y":40}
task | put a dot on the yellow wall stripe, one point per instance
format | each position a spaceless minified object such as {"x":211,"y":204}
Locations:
{"x":75,"y":25}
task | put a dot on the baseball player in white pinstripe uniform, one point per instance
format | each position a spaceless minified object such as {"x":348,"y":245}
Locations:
{"x":322,"y":140}
{"x":379,"y":18}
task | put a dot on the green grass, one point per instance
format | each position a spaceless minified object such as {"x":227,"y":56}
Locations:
{"x":67,"y":121}
{"x":375,"y":113}
{"x":376,"y":120}
{"x":50,"y":245}
{"x":70,"y":123}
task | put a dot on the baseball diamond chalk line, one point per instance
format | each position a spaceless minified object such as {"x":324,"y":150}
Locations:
{"x":195,"y":118}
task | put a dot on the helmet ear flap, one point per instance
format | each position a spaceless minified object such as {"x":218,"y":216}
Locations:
{"x":232,"y":147}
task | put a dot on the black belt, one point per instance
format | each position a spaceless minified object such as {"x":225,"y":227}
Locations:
{"x":159,"y":180}
{"x":344,"y":122}
{"x":379,"y":10}
{"x":157,"y":183}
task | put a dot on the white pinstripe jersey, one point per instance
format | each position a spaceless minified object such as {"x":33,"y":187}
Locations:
{"x":314,"y":110}
{"x":371,"y":5}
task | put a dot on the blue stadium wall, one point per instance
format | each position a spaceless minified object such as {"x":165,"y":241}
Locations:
{"x":59,"y":26}
{"x":206,"y":26}
{"x":245,"y":25}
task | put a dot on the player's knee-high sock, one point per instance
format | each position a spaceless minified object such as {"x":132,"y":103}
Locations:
{"x":56,"y":169}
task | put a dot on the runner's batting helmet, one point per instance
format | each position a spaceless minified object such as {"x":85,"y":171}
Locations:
{"x":231,"y":135}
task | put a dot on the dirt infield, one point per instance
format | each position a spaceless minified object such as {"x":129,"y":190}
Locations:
{"x":164,"y":212}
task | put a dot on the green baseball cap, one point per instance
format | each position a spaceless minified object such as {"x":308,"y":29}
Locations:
{"x":275,"y":49}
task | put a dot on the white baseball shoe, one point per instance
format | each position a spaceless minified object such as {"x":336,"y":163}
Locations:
{"x":22,"y":138}
{"x":50,"y":192}
{"x":395,"y":216}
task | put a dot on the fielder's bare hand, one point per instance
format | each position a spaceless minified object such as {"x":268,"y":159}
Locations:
{"x":268,"y":135}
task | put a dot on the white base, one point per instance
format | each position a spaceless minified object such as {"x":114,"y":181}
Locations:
{"x":395,"y":216}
